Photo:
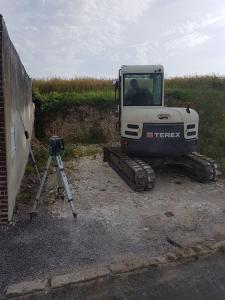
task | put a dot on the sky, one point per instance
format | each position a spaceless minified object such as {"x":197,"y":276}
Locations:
{"x":69,"y":38}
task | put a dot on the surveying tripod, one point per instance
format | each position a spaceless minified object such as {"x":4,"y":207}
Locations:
{"x":56,"y":144}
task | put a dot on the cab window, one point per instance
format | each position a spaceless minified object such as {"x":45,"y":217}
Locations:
{"x":142,"y":89}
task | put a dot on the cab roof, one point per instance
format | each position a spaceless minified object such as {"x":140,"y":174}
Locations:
{"x":142,"y":69}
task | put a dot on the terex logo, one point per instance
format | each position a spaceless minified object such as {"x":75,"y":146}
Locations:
{"x":151,"y":135}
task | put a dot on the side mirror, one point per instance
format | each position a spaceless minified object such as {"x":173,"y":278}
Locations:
{"x":116,"y":83}
{"x":188,"y":109}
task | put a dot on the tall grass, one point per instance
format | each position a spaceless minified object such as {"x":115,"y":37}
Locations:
{"x":81,"y":85}
{"x":78,"y":85}
{"x":197,"y":82}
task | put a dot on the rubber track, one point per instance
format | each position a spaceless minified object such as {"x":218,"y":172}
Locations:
{"x":201,"y":167}
{"x":149,"y":173}
{"x":135,"y":172}
{"x":140,"y":176}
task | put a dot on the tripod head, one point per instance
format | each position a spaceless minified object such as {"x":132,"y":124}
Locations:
{"x":56,"y":145}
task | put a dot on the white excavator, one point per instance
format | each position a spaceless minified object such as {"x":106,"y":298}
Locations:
{"x":152,"y":134}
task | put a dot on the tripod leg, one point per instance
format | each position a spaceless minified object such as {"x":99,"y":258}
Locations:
{"x":38,"y":195}
{"x":34,"y":163}
{"x":60,"y":188}
{"x":65,"y":184}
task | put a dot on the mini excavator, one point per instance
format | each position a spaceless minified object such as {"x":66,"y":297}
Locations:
{"x":152,"y":134}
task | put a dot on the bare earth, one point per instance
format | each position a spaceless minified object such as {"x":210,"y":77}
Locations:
{"x":113,"y":221}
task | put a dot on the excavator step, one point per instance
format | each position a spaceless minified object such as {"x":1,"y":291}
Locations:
{"x":135,"y":172}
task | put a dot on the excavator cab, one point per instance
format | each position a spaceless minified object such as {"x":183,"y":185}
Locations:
{"x":146,"y":126}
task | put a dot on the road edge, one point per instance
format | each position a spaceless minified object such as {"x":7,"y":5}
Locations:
{"x":42,"y":288}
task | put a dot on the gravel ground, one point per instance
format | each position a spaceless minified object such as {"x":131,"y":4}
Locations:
{"x":112,"y":221}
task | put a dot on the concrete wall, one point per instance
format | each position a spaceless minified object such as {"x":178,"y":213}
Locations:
{"x":3,"y":168}
{"x":16,"y":103}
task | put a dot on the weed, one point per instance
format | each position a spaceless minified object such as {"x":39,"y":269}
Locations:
{"x":87,"y":150}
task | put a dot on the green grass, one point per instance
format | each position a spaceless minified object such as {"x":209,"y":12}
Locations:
{"x":71,"y":151}
{"x":79,"y":150}
{"x":54,"y":100}
{"x":87,"y":150}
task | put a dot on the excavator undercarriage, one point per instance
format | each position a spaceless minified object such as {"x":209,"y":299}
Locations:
{"x":138,"y":172}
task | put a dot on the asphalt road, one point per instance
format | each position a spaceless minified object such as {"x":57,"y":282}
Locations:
{"x":203,"y":279}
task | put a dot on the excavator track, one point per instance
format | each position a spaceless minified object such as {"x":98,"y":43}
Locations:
{"x":136,"y":173}
{"x":139,"y":174}
{"x":149,"y":173}
{"x":200,"y":167}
